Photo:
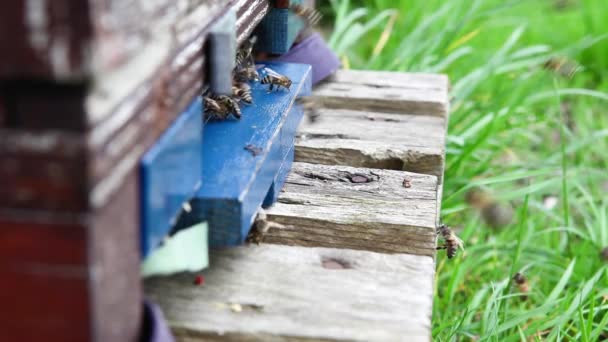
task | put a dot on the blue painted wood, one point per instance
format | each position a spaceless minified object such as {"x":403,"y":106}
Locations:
{"x":278,"y":30}
{"x":277,"y":184}
{"x":170,"y":173}
{"x":235,"y":180}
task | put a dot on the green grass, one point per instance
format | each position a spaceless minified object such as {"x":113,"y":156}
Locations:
{"x":510,"y":133}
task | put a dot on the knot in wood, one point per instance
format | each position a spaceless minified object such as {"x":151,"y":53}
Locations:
{"x":361,"y":178}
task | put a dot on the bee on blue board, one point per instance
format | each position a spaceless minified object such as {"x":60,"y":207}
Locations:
{"x":242,"y":92}
{"x":274,"y":79}
{"x":220,"y":107}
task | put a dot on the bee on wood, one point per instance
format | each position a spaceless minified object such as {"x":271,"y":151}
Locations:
{"x":261,"y":226}
{"x":562,"y":66}
{"x":452,"y":242}
{"x":221,"y":106}
{"x":246,"y":74}
{"x":310,"y":15}
{"x":522,"y":284}
{"x":244,"y":56}
{"x":242,"y":91}
{"x":275,"y":79}
{"x":213,"y":109}
{"x":231,"y":104}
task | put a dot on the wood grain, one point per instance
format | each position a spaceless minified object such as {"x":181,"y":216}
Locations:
{"x":74,"y":276}
{"x":320,"y":206}
{"x":300,"y":294}
{"x":389,"y":92}
{"x":360,"y":138}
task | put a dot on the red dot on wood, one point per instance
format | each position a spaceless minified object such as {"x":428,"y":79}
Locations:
{"x":199,"y":280}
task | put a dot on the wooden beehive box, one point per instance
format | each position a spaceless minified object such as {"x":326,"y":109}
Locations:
{"x":71,"y":138}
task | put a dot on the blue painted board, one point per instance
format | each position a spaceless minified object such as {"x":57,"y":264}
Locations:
{"x":170,"y":173}
{"x":278,"y":30}
{"x":235,"y":181}
{"x":275,"y":189}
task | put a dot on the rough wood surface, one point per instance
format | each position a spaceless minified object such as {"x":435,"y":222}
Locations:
{"x":321,"y":206}
{"x":412,"y":143}
{"x":391,"y":92}
{"x":280,"y":293}
{"x":72,"y":276}
{"x":74,"y":39}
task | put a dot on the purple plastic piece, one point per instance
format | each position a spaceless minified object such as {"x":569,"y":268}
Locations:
{"x":155,"y":328}
{"x":314,"y":51}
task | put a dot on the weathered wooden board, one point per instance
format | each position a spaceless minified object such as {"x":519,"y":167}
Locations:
{"x":390,"y":92}
{"x":281,"y":293}
{"x":74,"y":39}
{"x":360,"y":138}
{"x":72,"y":276}
{"x":323,"y":206}
{"x":123,"y":113}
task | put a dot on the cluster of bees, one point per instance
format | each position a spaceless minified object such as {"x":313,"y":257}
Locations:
{"x":221,"y":107}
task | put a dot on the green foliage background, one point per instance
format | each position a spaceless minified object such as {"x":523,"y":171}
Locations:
{"x":521,"y":131}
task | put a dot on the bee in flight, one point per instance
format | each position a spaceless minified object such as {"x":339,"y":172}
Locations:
{"x":452,"y":242}
{"x":273,"y":78}
{"x":310,"y":15}
{"x":522,"y":284}
{"x":562,"y":66}
{"x":311,"y":107}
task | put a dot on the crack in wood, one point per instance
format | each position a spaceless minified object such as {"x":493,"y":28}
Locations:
{"x":311,"y":136}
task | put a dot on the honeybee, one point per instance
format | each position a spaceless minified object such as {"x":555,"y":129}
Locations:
{"x":242,"y":91}
{"x":493,"y":213}
{"x":246,"y":74}
{"x":311,"y":108}
{"x":310,"y":15}
{"x":214,"y":109}
{"x":562,"y":66}
{"x":221,"y":106}
{"x":261,"y":226}
{"x":522,"y":284}
{"x":231,"y":104}
{"x":275,"y":79}
{"x":244,"y":56}
{"x":604,"y":254}
{"x":452,"y":242}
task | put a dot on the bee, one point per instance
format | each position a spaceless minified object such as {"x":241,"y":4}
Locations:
{"x":311,"y":108}
{"x":261,"y":226}
{"x":242,"y":91}
{"x":562,"y":66}
{"x":275,"y":79}
{"x":494,"y":214}
{"x":221,"y":106}
{"x":246,"y":74}
{"x":522,"y":284}
{"x":230,"y":103}
{"x":452,"y":242}
{"x":310,"y":15}
{"x":244,"y":56}
{"x":214,"y":109}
